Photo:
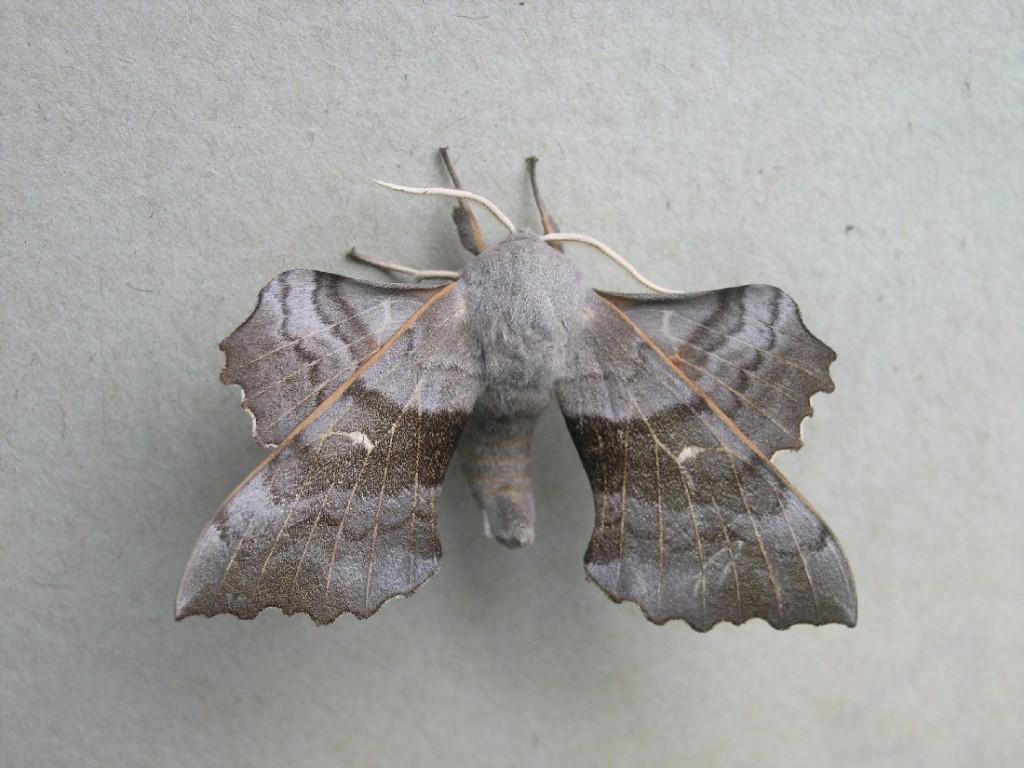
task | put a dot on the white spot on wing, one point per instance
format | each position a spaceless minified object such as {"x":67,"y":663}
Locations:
{"x":359,"y":438}
{"x":689,"y":452}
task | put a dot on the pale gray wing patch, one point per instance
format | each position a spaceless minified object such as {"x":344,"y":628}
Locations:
{"x":343,"y":516}
{"x":692,"y":521}
{"x":747,"y":349}
{"x":309,"y":332}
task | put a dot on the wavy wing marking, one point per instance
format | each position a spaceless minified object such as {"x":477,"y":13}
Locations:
{"x":747,"y":349}
{"x":343,"y":515}
{"x":693,"y":522}
{"x":309,"y":332}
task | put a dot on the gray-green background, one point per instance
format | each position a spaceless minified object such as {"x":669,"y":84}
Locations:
{"x":159,"y":162}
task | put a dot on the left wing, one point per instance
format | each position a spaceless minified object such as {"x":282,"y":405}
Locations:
{"x":310,"y":331}
{"x":693,"y":521}
{"x":342,"y":516}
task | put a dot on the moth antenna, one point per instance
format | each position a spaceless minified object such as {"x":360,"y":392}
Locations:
{"x":416,"y":274}
{"x":458,"y":193}
{"x":620,"y":260}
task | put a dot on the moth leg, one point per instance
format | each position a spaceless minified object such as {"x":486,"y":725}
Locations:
{"x":550,"y":227}
{"x":416,"y":274}
{"x":465,"y":222}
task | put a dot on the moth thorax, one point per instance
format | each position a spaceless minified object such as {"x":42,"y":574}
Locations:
{"x":525,"y":304}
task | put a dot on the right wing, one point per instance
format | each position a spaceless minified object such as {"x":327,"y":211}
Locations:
{"x":693,"y":521}
{"x":747,"y":348}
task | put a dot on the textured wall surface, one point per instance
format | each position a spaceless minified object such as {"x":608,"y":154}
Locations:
{"x":161,"y":161}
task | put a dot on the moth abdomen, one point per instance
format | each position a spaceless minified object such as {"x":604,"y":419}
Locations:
{"x":495,"y":455}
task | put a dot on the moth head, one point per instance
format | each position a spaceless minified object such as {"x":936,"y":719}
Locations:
{"x":552,"y":237}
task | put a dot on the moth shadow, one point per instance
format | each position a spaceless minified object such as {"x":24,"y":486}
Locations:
{"x":532,"y":615}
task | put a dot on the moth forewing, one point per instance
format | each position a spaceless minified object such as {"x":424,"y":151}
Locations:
{"x":342,"y":516}
{"x":693,"y":521}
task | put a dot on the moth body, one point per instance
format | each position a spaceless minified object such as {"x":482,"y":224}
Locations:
{"x":524,"y":305}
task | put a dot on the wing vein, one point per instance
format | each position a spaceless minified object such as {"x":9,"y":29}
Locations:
{"x":739,"y":486}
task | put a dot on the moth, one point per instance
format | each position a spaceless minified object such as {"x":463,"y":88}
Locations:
{"x":675,"y":402}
